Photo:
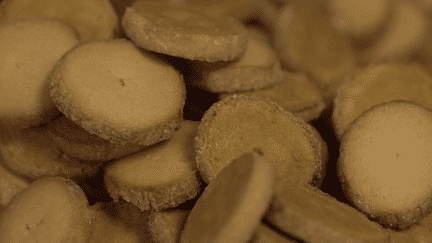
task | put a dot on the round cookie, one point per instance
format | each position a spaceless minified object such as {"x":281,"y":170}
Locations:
{"x":184,"y":31}
{"x":384,"y":163}
{"x":159,"y":177}
{"x":241,"y":123}
{"x":28,"y":51}
{"x":118,"y":92}
{"x":52,"y":209}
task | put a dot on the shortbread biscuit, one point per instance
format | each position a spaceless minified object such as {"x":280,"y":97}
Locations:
{"x":241,"y":123}
{"x":184,"y":31}
{"x":159,"y":177}
{"x":118,"y":92}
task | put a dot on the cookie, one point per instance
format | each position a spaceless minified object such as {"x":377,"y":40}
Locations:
{"x":184,"y":31}
{"x":29,"y":49}
{"x":116,"y":91}
{"x":160,"y":177}
{"x":384,"y":164}
{"x":243,"y":123}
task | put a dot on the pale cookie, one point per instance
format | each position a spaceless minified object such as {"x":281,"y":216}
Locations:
{"x":306,"y":41}
{"x":31,"y":153}
{"x":162,"y":176}
{"x":28,"y":51}
{"x":232,"y":205}
{"x":118,"y":92}
{"x":52,"y":209}
{"x":82,"y":145}
{"x":166,"y":226}
{"x":312,"y":216}
{"x":10,"y":184}
{"x":376,"y":84}
{"x":94,"y":20}
{"x":298,"y":94}
{"x":259,"y":67}
{"x":384,"y":163}
{"x":184,"y":31}
{"x":241,"y":123}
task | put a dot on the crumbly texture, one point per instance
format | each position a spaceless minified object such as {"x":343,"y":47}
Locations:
{"x":127,"y":134}
{"x":166,"y":226}
{"x":353,"y":164}
{"x":34,"y":155}
{"x":199,"y":36}
{"x":240,"y":123}
{"x":82,"y":145}
{"x":311,"y":215}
